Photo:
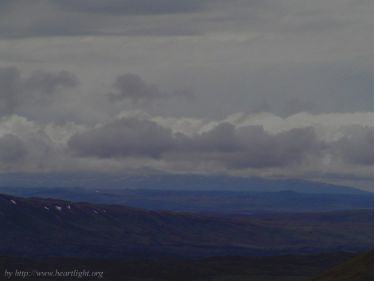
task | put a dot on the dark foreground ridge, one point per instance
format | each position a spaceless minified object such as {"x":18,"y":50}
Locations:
{"x":359,"y":268}
{"x":280,"y":268}
{"x":49,"y":227}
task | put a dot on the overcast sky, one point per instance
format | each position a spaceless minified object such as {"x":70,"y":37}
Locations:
{"x":274,"y":88}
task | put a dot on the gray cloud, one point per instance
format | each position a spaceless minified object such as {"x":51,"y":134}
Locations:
{"x":356,"y":147}
{"x":133,"y":87}
{"x":235,"y":148}
{"x":289,"y":88}
{"x":261,"y":52}
{"x":9,"y":83}
{"x":250,"y":147}
{"x":287,"y":148}
{"x":37,"y":88}
{"x":12,"y":149}
{"x":337,"y":146}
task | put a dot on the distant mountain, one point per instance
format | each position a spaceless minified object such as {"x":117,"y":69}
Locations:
{"x":224,"y":202}
{"x":170,"y":182}
{"x":360,"y":268}
{"x":49,"y":227}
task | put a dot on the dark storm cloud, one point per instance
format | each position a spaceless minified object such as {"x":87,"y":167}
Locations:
{"x":131,"y":7}
{"x":123,"y":138}
{"x":133,"y":87}
{"x":260,"y":149}
{"x":232,"y":147}
{"x":43,"y":18}
{"x":235,"y":148}
{"x":12,"y":149}
{"x":250,"y":147}
{"x":23,"y":18}
{"x":38,"y":87}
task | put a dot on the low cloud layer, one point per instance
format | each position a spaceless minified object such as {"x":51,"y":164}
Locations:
{"x":304,"y":146}
{"x":224,"y":145}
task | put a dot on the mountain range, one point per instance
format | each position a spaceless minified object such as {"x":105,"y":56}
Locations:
{"x":162,"y":181}
{"x":191,"y":193}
